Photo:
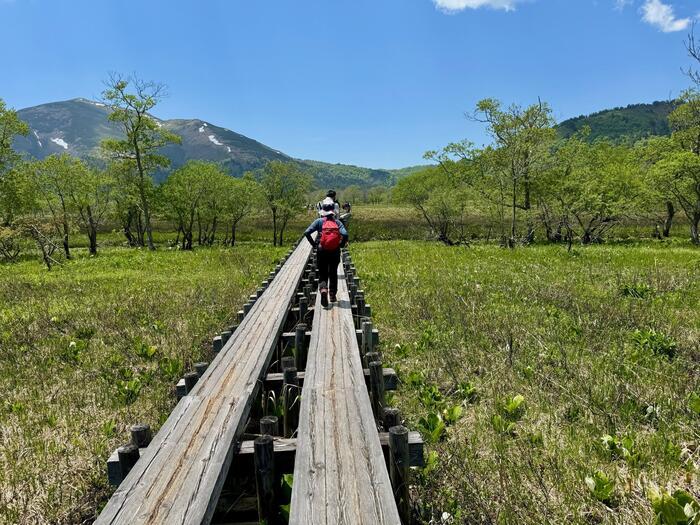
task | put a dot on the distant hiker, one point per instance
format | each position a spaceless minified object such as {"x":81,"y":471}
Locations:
{"x":336,"y":207}
{"x":332,"y":237}
{"x":345,"y":217}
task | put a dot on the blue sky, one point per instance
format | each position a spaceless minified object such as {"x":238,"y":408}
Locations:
{"x":367,"y":82}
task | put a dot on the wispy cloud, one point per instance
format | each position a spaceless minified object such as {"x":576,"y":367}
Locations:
{"x":663,"y":17}
{"x":454,"y":6}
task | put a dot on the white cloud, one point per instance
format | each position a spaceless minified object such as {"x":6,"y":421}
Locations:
{"x":453,"y":6}
{"x":662,"y":16}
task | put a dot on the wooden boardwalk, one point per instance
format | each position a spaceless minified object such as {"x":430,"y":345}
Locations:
{"x":179,"y":476}
{"x":340,"y":475}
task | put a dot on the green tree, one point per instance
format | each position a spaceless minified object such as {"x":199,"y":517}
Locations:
{"x":54,"y":176}
{"x":678,"y":172}
{"x":505,"y":173}
{"x":522,"y":137}
{"x":15,"y":189}
{"x":10,"y":127}
{"x":91,"y":198}
{"x":588,"y":189}
{"x":139,"y":150}
{"x":242,"y":198}
{"x":182,"y":196}
{"x":440,"y":199}
{"x":284,"y":186}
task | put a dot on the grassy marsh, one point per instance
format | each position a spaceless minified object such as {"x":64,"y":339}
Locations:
{"x":602,"y":344}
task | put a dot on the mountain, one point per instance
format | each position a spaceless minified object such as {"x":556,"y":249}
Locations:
{"x":632,"y":122}
{"x":78,"y":126}
{"x":344,"y":175}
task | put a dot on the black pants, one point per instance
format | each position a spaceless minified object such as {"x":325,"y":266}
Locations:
{"x":327,"y":263}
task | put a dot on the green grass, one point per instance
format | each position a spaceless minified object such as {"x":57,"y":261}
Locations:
{"x":601,"y":342}
{"x":95,"y":346}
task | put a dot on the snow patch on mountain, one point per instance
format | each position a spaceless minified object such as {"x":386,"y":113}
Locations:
{"x":60,"y":142}
{"x":38,"y":139}
{"x":213,"y":139}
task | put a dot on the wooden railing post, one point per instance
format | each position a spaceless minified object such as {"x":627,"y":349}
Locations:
{"x":141,"y":435}
{"x":291,"y":401}
{"x":265,"y":482}
{"x":376,"y":382}
{"x":399,"y":466}
{"x":392,"y":417}
{"x":300,"y":346}
{"x":269,"y":425}
{"x":128,"y":456}
{"x":190,"y":380}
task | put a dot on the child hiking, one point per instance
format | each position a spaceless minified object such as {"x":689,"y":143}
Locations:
{"x":332,"y":237}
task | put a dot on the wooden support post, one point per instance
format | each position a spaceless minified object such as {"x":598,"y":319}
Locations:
{"x":287,"y":362}
{"x":376,"y":383}
{"x":240,"y":316}
{"x":252,"y":298}
{"x":353,"y":292}
{"x":217,"y":344}
{"x":128,"y":456}
{"x":307,"y":291}
{"x":367,"y":337}
{"x":392,"y":417}
{"x":291,"y":401}
{"x":300,"y":346}
{"x":265,"y":482}
{"x":360,"y":302}
{"x":260,"y":291}
{"x":399,"y":466}
{"x":200,"y":368}
{"x":303,"y":308}
{"x":225,"y":336}
{"x":369,"y":357}
{"x":269,"y":425}
{"x":246,"y":307}
{"x":265,"y":284}
{"x":368,"y":311}
{"x":141,"y":435}
{"x":190,"y":380}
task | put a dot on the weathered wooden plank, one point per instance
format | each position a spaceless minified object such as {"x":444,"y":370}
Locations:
{"x":340,"y":474}
{"x":179,"y":477}
{"x":274,"y":379}
{"x":288,"y":447}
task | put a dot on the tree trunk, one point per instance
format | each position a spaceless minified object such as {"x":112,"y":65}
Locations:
{"x":92,"y":231}
{"x":670,"y":212}
{"x":511,"y":243}
{"x":212,"y":235}
{"x":233,"y":234}
{"x":695,"y":228}
{"x":274,"y":227}
{"x":139,"y":229}
{"x":144,"y":199}
{"x":127,"y":228}
{"x":66,"y":246}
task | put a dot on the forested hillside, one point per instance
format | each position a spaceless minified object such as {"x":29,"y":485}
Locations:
{"x":634,"y":121}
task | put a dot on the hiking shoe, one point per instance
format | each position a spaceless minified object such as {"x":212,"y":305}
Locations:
{"x":333,"y":297}
{"x":324,"y":297}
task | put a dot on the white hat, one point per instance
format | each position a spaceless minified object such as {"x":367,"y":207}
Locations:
{"x":327,"y":207}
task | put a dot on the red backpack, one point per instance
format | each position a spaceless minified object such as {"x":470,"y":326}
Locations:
{"x":330,"y":236}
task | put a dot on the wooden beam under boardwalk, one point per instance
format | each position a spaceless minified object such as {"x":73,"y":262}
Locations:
{"x":339,"y":474}
{"x":179,"y":477}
